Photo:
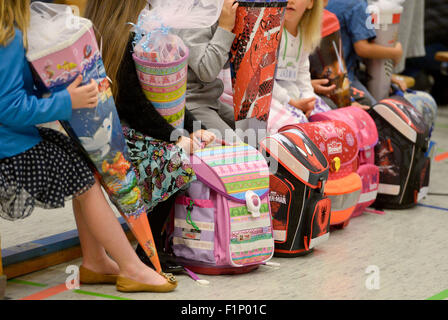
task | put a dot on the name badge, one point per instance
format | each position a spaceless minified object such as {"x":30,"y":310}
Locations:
{"x":287,"y":71}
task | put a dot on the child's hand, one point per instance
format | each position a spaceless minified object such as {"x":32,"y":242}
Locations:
{"x":203,"y":136}
{"x":398,"y":53}
{"x":363,"y":107}
{"x":399,"y":82}
{"x":188,"y":145}
{"x":306,"y":105}
{"x":319,"y":86}
{"x":228,"y":15}
{"x":84,"y":96}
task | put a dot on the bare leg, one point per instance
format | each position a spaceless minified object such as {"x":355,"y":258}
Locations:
{"x":94,"y":256}
{"x":103,"y":224}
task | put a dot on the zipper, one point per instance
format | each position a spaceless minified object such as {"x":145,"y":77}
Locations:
{"x":300,"y":219}
{"x":409,"y":174}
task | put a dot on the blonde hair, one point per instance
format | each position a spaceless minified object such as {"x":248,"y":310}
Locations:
{"x":14,"y":13}
{"x":311,"y":25}
{"x":111,"y":19}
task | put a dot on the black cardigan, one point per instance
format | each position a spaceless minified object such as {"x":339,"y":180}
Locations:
{"x":136,"y":110}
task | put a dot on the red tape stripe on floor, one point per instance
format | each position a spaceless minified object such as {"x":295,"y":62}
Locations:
{"x":47,"y":293}
{"x":441,"y":157}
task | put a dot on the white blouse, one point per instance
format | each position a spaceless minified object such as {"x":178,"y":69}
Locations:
{"x":293,"y":77}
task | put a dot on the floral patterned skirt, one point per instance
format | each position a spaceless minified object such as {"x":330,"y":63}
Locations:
{"x":163,"y":168}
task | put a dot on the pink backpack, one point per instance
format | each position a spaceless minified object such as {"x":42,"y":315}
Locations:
{"x":223,"y":223}
{"x":367,"y":135}
{"x":338,"y":142}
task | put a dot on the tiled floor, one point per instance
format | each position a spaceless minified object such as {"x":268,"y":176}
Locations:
{"x":407,"y":250}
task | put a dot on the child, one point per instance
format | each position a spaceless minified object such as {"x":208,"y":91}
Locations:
{"x":356,"y":39}
{"x":163,"y":165}
{"x":328,"y":63}
{"x":293,"y":97}
{"x":41,"y":167}
{"x":209,"y":53}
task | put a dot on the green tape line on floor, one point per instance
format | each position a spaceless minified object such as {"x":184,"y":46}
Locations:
{"x":42,"y":285}
{"x":440,"y":296}
{"x":94,"y":294}
{"x":28,"y":283}
{"x":441,"y":125}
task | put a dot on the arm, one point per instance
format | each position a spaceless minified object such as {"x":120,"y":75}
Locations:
{"x":18,"y":107}
{"x":208,"y":52}
{"x":303,"y":82}
{"x":189,"y":122}
{"x":134,"y":107}
{"x":370,"y":50}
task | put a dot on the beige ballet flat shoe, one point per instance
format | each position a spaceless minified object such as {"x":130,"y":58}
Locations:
{"x":128,"y":285}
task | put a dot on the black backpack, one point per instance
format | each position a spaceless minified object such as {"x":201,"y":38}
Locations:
{"x":300,"y":211}
{"x":400,"y":153}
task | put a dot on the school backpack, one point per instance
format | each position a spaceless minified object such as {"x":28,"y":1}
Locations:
{"x":338,"y":142}
{"x":400,"y":153}
{"x":367,"y":134}
{"x":222,"y":224}
{"x":300,"y":211}
{"x":424,"y":103}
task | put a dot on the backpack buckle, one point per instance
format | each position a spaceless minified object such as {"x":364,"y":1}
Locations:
{"x":253,"y":203}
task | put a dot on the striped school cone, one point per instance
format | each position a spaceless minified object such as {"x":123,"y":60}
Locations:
{"x":165,"y":84}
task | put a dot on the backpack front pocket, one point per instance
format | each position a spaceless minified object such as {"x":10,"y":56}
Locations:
{"x":317,"y":228}
{"x":194,"y":229}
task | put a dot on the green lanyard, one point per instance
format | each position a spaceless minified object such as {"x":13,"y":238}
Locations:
{"x":286,"y":44}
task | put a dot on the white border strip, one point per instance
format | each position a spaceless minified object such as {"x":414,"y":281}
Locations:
{"x":317,"y":241}
{"x":195,"y":244}
{"x":391,"y":189}
{"x":394,"y":119}
{"x":368,"y":196}
{"x":204,"y":226}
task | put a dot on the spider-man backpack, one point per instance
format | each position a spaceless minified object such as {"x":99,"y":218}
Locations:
{"x":300,"y":210}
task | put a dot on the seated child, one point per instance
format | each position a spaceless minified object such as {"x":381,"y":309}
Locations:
{"x":356,"y":36}
{"x":294,"y":98}
{"x":163,"y":165}
{"x":44,"y":168}
{"x":356,"y":39}
{"x":328,"y":68}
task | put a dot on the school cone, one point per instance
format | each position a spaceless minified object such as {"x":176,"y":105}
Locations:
{"x":258,"y":30}
{"x":142,"y":232}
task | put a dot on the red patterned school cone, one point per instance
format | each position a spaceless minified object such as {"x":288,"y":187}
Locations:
{"x":254,"y":53}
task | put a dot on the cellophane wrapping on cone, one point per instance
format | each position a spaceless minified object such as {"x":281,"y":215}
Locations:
{"x":253,"y":61}
{"x":161,"y":58}
{"x":58,"y":59}
{"x":161,"y":62}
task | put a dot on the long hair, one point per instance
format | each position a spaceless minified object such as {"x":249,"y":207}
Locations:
{"x":111,"y":19}
{"x":14,"y":14}
{"x":311,"y":25}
